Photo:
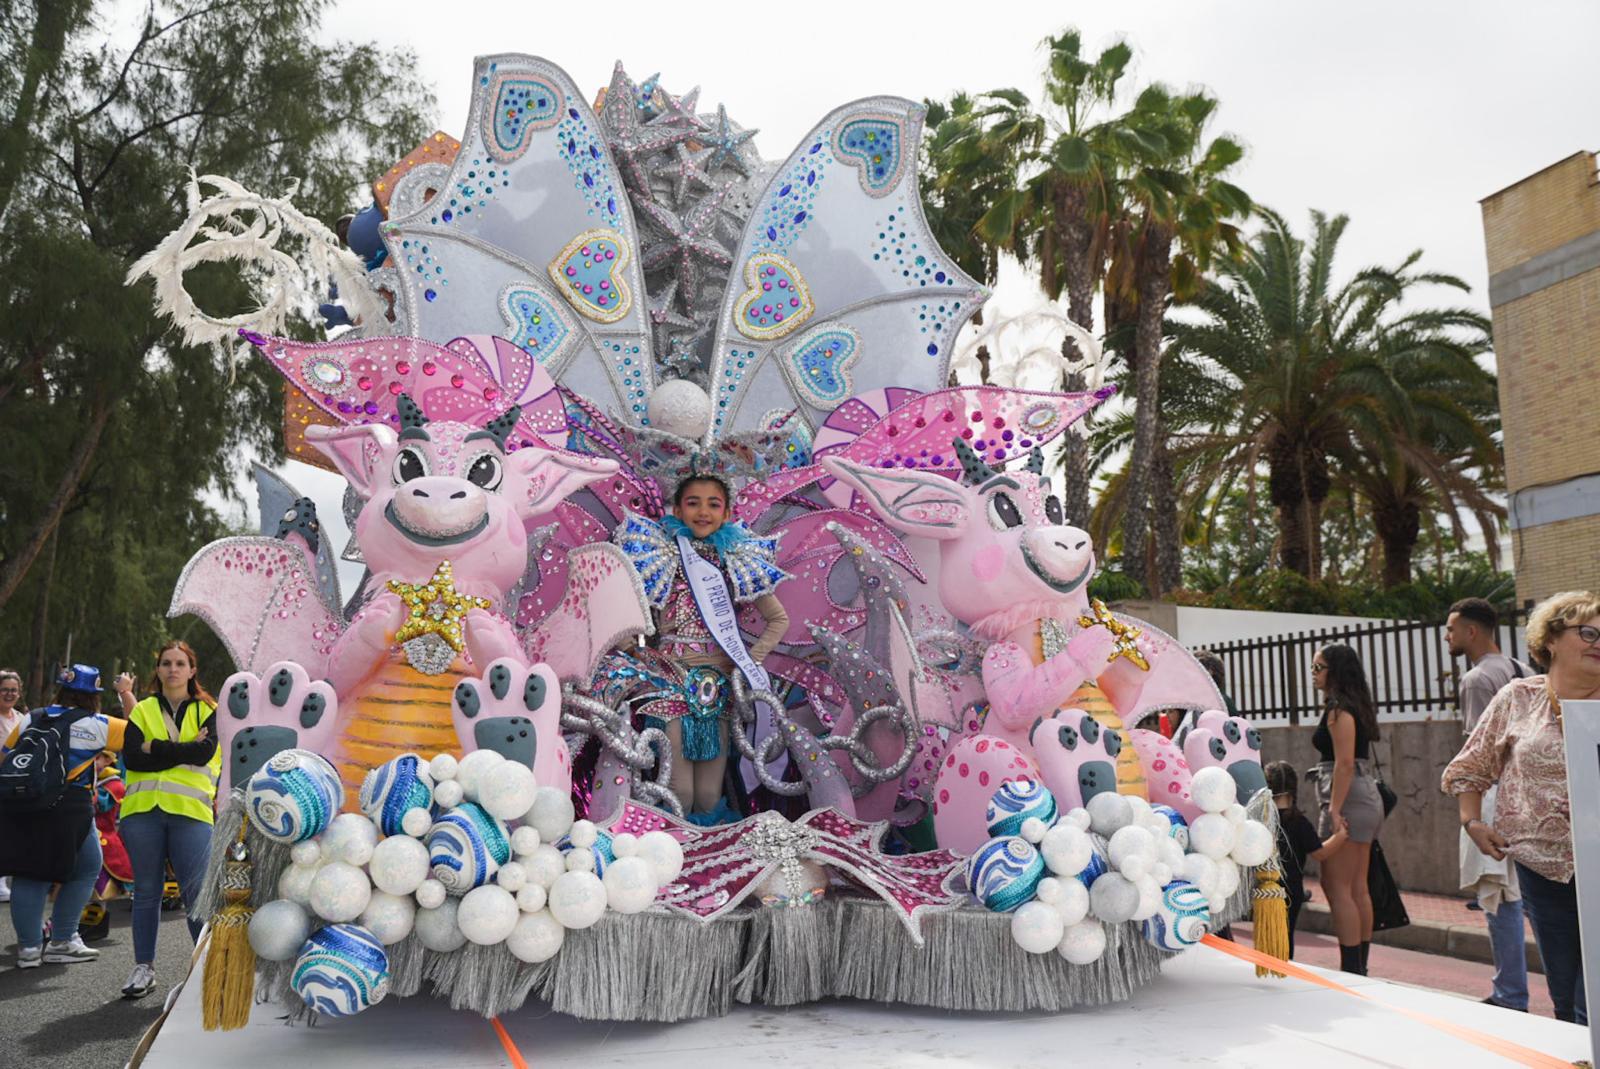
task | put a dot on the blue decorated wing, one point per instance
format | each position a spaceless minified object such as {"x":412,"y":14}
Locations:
{"x":751,"y":566}
{"x":531,"y":237}
{"x":651,"y":552}
{"x":838,"y":287}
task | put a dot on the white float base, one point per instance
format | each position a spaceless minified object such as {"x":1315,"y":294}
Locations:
{"x":1206,"y":1008}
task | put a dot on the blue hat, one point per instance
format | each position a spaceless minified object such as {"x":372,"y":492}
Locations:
{"x":84,"y":678}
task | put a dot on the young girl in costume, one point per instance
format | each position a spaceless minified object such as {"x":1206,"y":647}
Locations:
{"x":1297,"y":839}
{"x":693,"y":706}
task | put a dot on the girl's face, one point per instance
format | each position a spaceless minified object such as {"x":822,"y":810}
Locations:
{"x":10,"y":694}
{"x":703,"y":508}
{"x":174,"y":669}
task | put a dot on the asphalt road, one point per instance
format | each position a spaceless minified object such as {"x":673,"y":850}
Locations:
{"x":74,"y":1016}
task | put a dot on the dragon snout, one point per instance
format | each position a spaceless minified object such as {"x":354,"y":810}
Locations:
{"x":1061,"y":556}
{"x":439,"y":507}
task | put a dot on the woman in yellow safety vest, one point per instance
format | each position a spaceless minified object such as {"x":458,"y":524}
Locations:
{"x":173,"y":763}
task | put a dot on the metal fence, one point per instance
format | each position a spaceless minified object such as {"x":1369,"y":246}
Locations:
{"x":1408,"y":664}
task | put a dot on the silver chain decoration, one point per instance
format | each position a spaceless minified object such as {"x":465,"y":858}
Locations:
{"x":632,"y":751}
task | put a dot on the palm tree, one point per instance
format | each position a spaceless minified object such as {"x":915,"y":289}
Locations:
{"x":1282,"y":371}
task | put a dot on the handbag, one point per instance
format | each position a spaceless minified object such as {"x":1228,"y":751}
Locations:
{"x":1388,"y":908}
{"x":1385,"y":792}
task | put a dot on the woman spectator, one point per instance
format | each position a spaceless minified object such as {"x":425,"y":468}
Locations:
{"x":173,"y":765}
{"x":1347,"y":790}
{"x":1518,"y":744}
{"x":10,"y":718}
{"x":59,"y":844}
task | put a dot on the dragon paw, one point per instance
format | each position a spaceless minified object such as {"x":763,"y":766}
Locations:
{"x":1230,"y":743}
{"x":514,"y":709}
{"x":1166,"y":771}
{"x":1076,"y":755}
{"x":263,"y":715}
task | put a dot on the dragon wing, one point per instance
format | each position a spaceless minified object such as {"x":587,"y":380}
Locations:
{"x":284,"y":509}
{"x":837,"y":269}
{"x":603,"y":605}
{"x":532,"y":230}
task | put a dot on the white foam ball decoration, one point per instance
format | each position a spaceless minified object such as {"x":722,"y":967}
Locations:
{"x":580,"y":860}
{"x":544,"y":865}
{"x":624,"y":844}
{"x":1200,"y":871}
{"x":487,"y":914}
{"x":1084,"y":942}
{"x":1049,"y":890}
{"x":577,"y":899}
{"x":1236,"y":814}
{"x":431,"y":894}
{"x":389,"y":917}
{"x":1227,"y":880}
{"x":1127,"y":843}
{"x":536,"y":937}
{"x":399,"y":864}
{"x":1066,"y":849}
{"x":472,"y":769}
{"x":525,"y":840}
{"x":512,"y":876}
{"x":447,"y":794}
{"x":583,"y":834}
{"x":340,"y":891}
{"x":1161,"y":873}
{"x":308,"y":853}
{"x":279,"y":929}
{"x":1211,"y":834}
{"x":1108,"y":813}
{"x":443,"y":767}
{"x":681,"y":407}
{"x":532,"y":898}
{"x":1140,"y":807}
{"x":295,"y":884}
{"x":1036,"y":927}
{"x":1113,"y":898}
{"x":507,"y":789}
{"x":1078,"y":818}
{"x":349,"y":838}
{"x":1073,"y":905}
{"x":1033,"y":830}
{"x":1135,"y":866}
{"x":664,"y":853}
{"x":1170,"y":852}
{"x":436,"y":926}
{"x":551,"y":813}
{"x":1149,"y":900}
{"x":1213,"y":790}
{"x":1252,"y":843}
{"x":417,"y":821}
{"x":630,"y":885}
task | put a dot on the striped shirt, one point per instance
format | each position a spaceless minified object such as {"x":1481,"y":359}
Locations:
{"x":89,"y":736}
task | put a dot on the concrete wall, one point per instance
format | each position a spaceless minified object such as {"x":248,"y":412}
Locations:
{"x":1421,"y":837}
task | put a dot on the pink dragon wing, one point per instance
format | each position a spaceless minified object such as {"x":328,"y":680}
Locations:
{"x":602,"y":606}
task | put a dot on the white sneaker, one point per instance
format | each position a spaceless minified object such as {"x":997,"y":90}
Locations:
{"x":141,"y":982}
{"x":5,"y":888}
{"x":68,"y":952}
{"x":30,"y":957}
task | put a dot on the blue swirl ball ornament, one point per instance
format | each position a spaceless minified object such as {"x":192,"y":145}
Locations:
{"x":1179,"y":828}
{"x":1016,"y":802}
{"x":1183,"y":918}
{"x":1098,"y":865}
{"x":341,"y":970}
{"x":394,"y":788}
{"x":466,"y":847}
{"x":604,"y":855}
{"x":1004,"y":873}
{"x":294,"y":796}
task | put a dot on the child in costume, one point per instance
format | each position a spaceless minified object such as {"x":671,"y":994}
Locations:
{"x":692,"y":705}
{"x":1297,"y":839}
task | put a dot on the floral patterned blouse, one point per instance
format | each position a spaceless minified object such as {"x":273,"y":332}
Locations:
{"x":1518,"y":744}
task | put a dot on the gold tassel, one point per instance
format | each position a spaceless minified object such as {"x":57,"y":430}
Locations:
{"x":1270,"y":915}
{"x":228,"y":990}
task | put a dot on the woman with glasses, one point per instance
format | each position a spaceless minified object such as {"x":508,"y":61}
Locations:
{"x":10,"y":719}
{"x":1348,"y":792}
{"x":1518,"y":744}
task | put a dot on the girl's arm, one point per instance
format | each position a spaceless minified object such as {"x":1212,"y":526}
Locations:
{"x":1333,"y":842}
{"x":1342,"y":726}
{"x":772,"y":611}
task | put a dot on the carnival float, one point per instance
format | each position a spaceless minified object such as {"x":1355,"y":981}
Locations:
{"x":936,"y":777}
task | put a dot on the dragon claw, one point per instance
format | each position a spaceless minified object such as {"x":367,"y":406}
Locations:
{"x":283,"y":710}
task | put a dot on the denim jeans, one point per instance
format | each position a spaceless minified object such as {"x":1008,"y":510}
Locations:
{"x":1508,"y":938}
{"x":28,"y":897}
{"x":153,"y":838}
{"x":1553,"y":909}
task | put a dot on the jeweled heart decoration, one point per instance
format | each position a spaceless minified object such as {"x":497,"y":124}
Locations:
{"x":521,"y":106}
{"x":534,"y":322}
{"x":819,"y":364}
{"x":874,"y":146}
{"x":776,"y":300}
{"x":589,"y":273}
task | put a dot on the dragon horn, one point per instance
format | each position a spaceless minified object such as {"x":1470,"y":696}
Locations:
{"x":1036,"y":461}
{"x":411,"y":416}
{"x":973,"y":469}
{"x":502,"y":424}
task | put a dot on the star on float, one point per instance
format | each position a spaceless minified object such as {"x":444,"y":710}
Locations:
{"x":435,"y":608}
{"x":1127,"y":636}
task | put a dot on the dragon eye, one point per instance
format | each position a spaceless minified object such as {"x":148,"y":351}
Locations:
{"x":485,"y":472}
{"x":409,"y":465}
{"x":1003,"y":512}
{"x":1052,"y":509}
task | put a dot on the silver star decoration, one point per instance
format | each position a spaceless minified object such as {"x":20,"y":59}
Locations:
{"x":617,"y":112}
{"x":682,"y":356}
{"x":665,"y":319}
{"x":689,"y":241}
{"x":683,"y":170}
{"x":726,"y":143}
{"x":679,"y":111}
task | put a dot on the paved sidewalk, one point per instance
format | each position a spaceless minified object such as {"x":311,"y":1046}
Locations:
{"x":1440,"y":924}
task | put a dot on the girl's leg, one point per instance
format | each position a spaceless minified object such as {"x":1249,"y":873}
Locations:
{"x":682,"y":771}
{"x":1337,"y":873}
{"x":1362,"y":856}
{"x":75,"y":893}
{"x":708,"y":774}
{"x":189,"y":846}
{"x":144,"y":837}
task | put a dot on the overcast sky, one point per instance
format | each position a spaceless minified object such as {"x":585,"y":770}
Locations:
{"x":1402,"y":114}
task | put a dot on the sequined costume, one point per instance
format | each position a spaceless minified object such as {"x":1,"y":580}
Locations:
{"x":691,"y":671}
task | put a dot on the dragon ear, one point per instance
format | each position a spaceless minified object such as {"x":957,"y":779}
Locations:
{"x":914,"y":501}
{"x":553,"y":475}
{"x":974,"y":470}
{"x":358,"y":452}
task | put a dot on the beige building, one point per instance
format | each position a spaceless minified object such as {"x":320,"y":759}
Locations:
{"x":1543,"y":239}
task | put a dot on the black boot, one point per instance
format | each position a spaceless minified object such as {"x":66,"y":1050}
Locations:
{"x":1366,"y":951}
{"x":1350,"y":960}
